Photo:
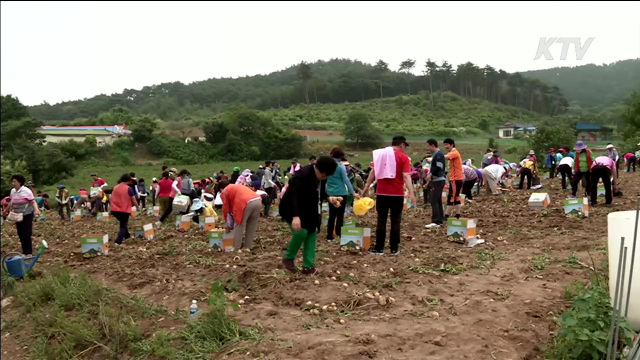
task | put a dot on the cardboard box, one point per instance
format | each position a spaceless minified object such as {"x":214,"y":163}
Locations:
{"x":207,"y":223}
{"x":134,"y":211}
{"x":275,"y":211}
{"x":325,"y":219}
{"x":183,"y":222}
{"x":577,"y":206}
{"x":539,"y":201}
{"x":94,"y":191}
{"x":220,"y":240}
{"x":77,"y":215}
{"x":156,"y":211}
{"x":181,"y":203}
{"x":102,"y":216}
{"x":84,"y":212}
{"x":601,"y":190}
{"x":95,"y":244}
{"x":407,"y":204}
{"x":144,"y":232}
{"x":349,"y":223}
{"x":356,"y":238}
{"x":459,"y":230}
{"x":149,"y":211}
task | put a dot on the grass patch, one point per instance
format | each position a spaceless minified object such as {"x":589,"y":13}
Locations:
{"x":539,"y":262}
{"x":488,"y":258}
{"x":72,"y":316}
{"x":433,"y":302}
{"x":447,"y":268}
{"x":572,"y":261}
{"x":199,"y":260}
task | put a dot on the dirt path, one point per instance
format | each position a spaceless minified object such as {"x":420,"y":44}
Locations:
{"x":491,"y":310}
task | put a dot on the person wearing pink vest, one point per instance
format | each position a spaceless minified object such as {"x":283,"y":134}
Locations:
{"x":122,"y":199}
{"x":603,"y":167}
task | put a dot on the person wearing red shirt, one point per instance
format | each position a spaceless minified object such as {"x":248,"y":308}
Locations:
{"x":164,"y":195}
{"x":456,"y":178}
{"x":241,"y":208}
{"x":390,"y":198}
{"x":96,"y":199}
{"x":122,"y":199}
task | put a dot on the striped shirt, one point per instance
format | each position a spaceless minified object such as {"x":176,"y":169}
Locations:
{"x":469,"y":173}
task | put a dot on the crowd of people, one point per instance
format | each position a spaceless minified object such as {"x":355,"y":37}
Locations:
{"x":300,"y":190}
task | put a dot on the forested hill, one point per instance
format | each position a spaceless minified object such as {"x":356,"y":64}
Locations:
{"x":593,"y":85}
{"x":334,"y":81}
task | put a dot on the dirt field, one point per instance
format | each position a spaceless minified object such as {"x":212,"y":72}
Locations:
{"x":494,"y":301}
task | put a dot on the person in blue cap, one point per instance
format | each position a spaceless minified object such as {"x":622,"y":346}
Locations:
{"x":64,"y":201}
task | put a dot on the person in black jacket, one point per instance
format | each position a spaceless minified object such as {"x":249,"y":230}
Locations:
{"x":300,"y":208}
{"x":436,"y":180}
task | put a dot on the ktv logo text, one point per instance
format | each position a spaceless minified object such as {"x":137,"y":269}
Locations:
{"x":545,"y":44}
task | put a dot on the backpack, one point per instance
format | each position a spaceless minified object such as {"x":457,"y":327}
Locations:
{"x":142,"y":189}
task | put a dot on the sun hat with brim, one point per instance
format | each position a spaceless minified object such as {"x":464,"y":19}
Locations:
{"x":580,"y":146}
{"x":531,"y":152}
{"x":610,"y":146}
{"x":60,"y":186}
{"x":208,"y":199}
{"x":197,"y":205}
{"x":513,"y":165}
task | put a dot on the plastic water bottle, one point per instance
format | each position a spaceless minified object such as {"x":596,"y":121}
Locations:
{"x":193,"y":310}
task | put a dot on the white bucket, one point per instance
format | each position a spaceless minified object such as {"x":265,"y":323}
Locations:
{"x":621,"y":224}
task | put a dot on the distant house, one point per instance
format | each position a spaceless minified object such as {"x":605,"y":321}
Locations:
{"x":589,"y":132}
{"x":509,"y":129}
{"x":104,"y":134}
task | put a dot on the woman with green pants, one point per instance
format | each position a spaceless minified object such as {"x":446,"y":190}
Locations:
{"x":301,"y":207}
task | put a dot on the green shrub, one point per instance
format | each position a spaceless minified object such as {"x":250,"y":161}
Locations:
{"x":584,"y":328}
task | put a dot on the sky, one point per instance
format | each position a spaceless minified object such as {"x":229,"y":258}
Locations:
{"x":59,"y":51}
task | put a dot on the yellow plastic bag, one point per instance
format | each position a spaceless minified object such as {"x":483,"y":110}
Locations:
{"x":362,"y":205}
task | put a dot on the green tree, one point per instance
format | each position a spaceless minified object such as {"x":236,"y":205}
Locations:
{"x":8,"y":169}
{"x":380,"y":69}
{"x":143,"y":128}
{"x":305,"y":74}
{"x":91,"y":141}
{"x":16,"y":133}
{"x":215,"y":132}
{"x":631,"y":122}
{"x":430,"y":70}
{"x":407,"y":66}
{"x":551,"y":134}
{"x":359,"y":129}
{"x":12,"y":109}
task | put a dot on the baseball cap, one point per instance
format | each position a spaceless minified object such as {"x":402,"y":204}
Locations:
{"x":235,"y":169}
{"x":399,"y":140}
{"x":94,"y":174}
{"x":60,"y":186}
